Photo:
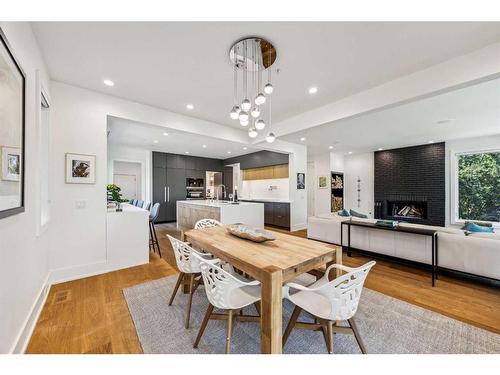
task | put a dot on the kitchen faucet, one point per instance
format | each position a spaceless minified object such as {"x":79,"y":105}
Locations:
{"x":224,"y":195}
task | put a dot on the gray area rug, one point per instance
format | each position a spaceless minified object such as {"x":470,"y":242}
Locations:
{"x":387,"y":325}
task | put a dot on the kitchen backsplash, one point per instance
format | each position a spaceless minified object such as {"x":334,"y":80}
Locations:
{"x":277,"y":188}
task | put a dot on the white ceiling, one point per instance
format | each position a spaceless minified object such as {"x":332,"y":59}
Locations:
{"x":473,"y":111}
{"x":136,"y":134}
{"x":171,"y":64}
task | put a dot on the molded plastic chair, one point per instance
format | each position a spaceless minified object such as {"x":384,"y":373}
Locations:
{"x":134,"y":202}
{"x":147,"y":206}
{"x":153,"y":238}
{"x":206,"y":223}
{"x":139,"y":204}
{"x":131,"y":201}
{"x":226,"y":291}
{"x":188,"y":263}
{"x":330,"y":302}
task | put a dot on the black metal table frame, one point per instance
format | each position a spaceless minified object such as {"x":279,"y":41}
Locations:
{"x":427,"y":232}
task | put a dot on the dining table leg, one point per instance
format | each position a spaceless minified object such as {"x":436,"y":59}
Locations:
{"x":271,"y":311}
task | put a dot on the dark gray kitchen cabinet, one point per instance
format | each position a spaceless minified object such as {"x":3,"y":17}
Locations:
{"x":176,"y":190}
{"x":176,"y":161}
{"x":190,"y":162}
{"x":281,"y":214}
{"x":160,"y":192}
{"x":159,"y":160}
{"x":269,"y":213}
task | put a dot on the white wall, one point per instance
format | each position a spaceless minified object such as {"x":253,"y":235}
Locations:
{"x":23,"y":254}
{"x":129,"y":168}
{"x":362,"y":166}
{"x":133,"y":154}
{"x":322,"y":197}
{"x":260,"y":189}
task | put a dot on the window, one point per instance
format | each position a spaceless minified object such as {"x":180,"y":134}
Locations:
{"x":478,"y":186}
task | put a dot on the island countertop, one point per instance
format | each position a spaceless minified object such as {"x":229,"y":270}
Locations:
{"x":190,"y":211}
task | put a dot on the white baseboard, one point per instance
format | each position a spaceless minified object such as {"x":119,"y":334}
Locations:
{"x":298,"y":227}
{"x":61,"y":275}
{"x":24,"y":335}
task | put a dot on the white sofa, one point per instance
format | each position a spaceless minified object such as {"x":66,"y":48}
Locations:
{"x":477,"y":253}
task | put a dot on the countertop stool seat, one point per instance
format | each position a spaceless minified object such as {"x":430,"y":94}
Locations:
{"x":227,"y":291}
{"x":329,"y":301}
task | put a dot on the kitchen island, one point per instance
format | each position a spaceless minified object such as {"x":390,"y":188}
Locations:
{"x":190,"y":211}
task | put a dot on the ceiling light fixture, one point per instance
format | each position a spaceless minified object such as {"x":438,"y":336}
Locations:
{"x":313,"y":90}
{"x":190,"y":106}
{"x":229,"y":152}
{"x":204,"y":146}
{"x":270,"y":138}
{"x":350,"y":152}
{"x":244,"y":148}
{"x":380,"y":148}
{"x":187,"y":152}
{"x":430,"y":142}
{"x":302,"y":139}
{"x":155,"y":141}
{"x":330,"y":147}
{"x":252,"y":56}
{"x":165,"y":134}
{"x":108,"y":82}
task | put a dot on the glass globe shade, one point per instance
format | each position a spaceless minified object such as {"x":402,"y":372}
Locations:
{"x":252,"y":133}
{"x":243,"y":116}
{"x":268,"y":89}
{"x":255,"y":112}
{"x":246,"y":105}
{"x":260,"y":99}
{"x":244,"y":123}
{"x":260,"y":124}
{"x":234,"y":112}
{"x":270,"y":138}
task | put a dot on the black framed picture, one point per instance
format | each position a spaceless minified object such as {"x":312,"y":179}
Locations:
{"x":301,"y":181}
{"x":12,"y":127}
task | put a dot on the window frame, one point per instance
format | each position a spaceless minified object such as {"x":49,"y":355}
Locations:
{"x":454,"y":158}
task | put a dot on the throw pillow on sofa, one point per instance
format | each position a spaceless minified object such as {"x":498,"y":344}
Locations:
{"x":474,"y":228}
{"x":357,"y":214}
{"x":344,"y":213}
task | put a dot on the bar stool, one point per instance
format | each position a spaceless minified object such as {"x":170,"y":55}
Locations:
{"x":153,"y":239}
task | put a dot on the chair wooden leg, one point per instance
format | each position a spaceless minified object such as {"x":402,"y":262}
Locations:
{"x":156,"y":239}
{"x":203,"y":324}
{"x":257,"y":307}
{"x":190,"y":300}
{"x":151,"y":243}
{"x":229,"y":330}
{"x":329,"y":336}
{"x":177,"y":284}
{"x":357,"y":336}
{"x":291,"y":323}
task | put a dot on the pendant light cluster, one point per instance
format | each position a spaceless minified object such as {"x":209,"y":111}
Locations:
{"x":252,"y":56}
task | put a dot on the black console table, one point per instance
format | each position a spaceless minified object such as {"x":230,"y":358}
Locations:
{"x":419,"y":231}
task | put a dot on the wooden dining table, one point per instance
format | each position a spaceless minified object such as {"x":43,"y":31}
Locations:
{"x":272,"y":263}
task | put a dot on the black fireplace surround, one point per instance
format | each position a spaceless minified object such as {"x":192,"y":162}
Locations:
{"x":410,"y":184}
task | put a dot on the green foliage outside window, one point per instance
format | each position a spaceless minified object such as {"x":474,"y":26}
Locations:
{"x":479,"y":186}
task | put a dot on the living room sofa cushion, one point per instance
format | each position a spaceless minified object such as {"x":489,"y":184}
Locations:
{"x":489,"y":235}
{"x":357,"y":214}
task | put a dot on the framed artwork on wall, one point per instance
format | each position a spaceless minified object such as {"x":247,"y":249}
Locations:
{"x":323,"y":182}
{"x":80,"y":169}
{"x":12,"y":119}
{"x":301,"y":181}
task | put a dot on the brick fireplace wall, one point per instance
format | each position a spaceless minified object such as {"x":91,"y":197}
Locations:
{"x":415,"y":174}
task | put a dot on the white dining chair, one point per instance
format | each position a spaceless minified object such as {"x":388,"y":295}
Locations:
{"x":227,"y":291}
{"x":329,"y":301}
{"x":188,"y":263}
{"x":207,"y":223}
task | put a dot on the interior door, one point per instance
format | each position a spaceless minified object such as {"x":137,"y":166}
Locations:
{"x":127,"y":184}
{"x":176,"y":190}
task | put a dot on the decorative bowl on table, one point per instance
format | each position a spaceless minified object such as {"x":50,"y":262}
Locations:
{"x":250,"y":233}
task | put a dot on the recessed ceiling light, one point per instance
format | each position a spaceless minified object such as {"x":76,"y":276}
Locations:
{"x":155,"y":141}
{"x":229,"y":152}
{"x":204,"y":146}
{"x":187,"y":152}
{"x":430,"y":142}
{"x":165,"y":134}
{"x":313,"y":90}
{"x":302,"y":139}
{"x":108,"y":82}
{"x":244,"y":148}
{"x":350,"y":152}
{"x":380,"y":148}
{"x":330,"y":147}
{"x":189,"y":106}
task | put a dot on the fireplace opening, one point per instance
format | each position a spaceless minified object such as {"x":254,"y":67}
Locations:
{"x":407,"y":209}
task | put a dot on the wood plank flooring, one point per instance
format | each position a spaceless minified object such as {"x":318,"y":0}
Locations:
{"x":90,"y":315}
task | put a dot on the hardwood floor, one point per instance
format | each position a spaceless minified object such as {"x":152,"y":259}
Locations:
{"x":90,"y":315}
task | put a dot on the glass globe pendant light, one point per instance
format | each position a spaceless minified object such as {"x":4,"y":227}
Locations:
{"x":268,"y":89}
{"x":246,"y":105}
{"x":252,"y":133}
{"x":235,"y":111}
{"x":260,"y":124}
{"x":255,"y":112}
{"x":270,"y":137}
{"x":243,"y":116}
{"x":244,"y":123}
{"x":260,"y":99}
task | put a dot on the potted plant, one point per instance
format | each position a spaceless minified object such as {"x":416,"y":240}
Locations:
{"x":114,"y":195}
